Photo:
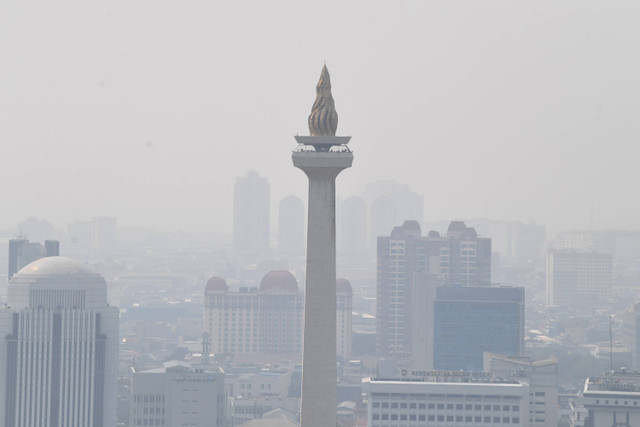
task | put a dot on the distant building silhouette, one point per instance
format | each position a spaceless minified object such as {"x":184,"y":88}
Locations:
{"x":251,"y":214}
{"x":459,"y":259}
{"x":291,"y":226}
{"x":578,"y":279}
{"x":23,"y":252}
{"x":59,"y":347}
{"x":352,"y":236}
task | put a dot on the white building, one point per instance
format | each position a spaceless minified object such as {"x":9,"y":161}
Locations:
{"x":442,"y":398}
{"x":265,"y":324}
{"x":59,"y":348}
{"x":542,"y":377}
{"x":177,"y":395}
{"x":578,"y":279}
{"x":612,"y":400}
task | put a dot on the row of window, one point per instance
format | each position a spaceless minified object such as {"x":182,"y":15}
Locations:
{"x":448,"y":418}
{"x":449,"y":406}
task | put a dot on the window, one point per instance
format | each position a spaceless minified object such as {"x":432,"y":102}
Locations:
{"x":496,"y":420}
{"x":431,"y":417}
{"x":515,"y":420}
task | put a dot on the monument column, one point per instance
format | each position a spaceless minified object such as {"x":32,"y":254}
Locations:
{"x":321,"y":156}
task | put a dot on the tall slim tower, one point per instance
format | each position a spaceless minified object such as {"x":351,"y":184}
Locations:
{"x":321,"y":156}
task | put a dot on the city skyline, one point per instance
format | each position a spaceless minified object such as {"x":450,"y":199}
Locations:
{"x":536,"y":102}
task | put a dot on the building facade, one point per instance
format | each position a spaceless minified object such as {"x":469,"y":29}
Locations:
{"x":542,"y":377}
{"x":460,"y":259}
{"x":446,"y":399}
{"x":178,"y":395}
{"x":612,"y":400}
{"x":578,"y":279}
{"x":59,"y":348}
{"x":267,"y":322}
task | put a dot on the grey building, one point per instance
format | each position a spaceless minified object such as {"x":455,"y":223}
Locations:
{"x":251,"y":214}
{"x":23,"y":252}
{"x":460,"y":258}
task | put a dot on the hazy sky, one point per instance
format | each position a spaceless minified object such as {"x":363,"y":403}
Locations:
{"x":147,"y":110}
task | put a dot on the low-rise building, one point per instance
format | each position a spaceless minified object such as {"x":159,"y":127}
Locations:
{"x":436,"y":398}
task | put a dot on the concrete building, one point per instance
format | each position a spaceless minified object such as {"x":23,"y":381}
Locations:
{"x":440,"y":398}
{"x":23,"y":252}
{"x":291,"y":226}
{"x":266,"y":323}
{"x":321,"y":156}
{"x":177,"y":395}
{"x":460,"y":323}
{"x":542,"y":377}
{"x":459,"y":259}
{"x":612,"y":400}
{"x":578,"y":279}
{"x":251,"y":214}
{"x":59,"y":347}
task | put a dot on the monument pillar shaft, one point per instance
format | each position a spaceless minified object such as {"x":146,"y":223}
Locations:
{"x":319,"y":397}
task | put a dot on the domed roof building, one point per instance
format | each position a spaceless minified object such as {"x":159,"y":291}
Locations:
{"x":58,"y":313}
{"x":279,"y":281}
{"x":216,"y":284}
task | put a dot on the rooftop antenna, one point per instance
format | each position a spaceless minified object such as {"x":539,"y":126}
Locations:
{"x":611,"y":342}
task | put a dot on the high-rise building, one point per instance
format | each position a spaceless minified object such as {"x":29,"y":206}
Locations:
{"x":251,"y":214}
{"x":265,"y":323}
{"x":425,"y":399}
{"x":578,"y":279}
{"x":631,"y":334}
{"x":59,"y":347}
{"x":461,"y":258}
{"x":178,"y":395}
{"x":23,"y":252}
{"x":458,"y":324}
{"x":291,"y":226}
{"x":353,"y":226}
{"x":104,"y":235}
{"x":321,"y":156}
{"x":542,"y":377}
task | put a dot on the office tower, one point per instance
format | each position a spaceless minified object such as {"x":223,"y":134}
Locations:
{"x":291,"y":226}
{"x":265,"y":323}
{"x":23,"y":252}
{"x":37,"y":230}
{"x":461,"y":258}
{"x":461,"y":323}
{"x":542,"y":377}
{"x":612,"y":399}
{"x":425,"y":399}
{"x":322,"y":156}
{"x":59,"y":347}
{"x":391,"y":203}
{"x":251,"y":214}
{"x":578,"y":279}
{"x":177,"y":395}
{"x":353,"y":226}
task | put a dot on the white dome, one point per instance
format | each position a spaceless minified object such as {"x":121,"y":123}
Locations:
{"x":55,"y":266}
{"x":57,"y":283}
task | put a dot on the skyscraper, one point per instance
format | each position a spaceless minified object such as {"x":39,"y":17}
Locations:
{"x":321,"y":156}
{"x":251,"y":214}
{"x":291,"y":226}
{"x":578,"y":279}
{"x":59,"y":348}
{"x":461,"y":258}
